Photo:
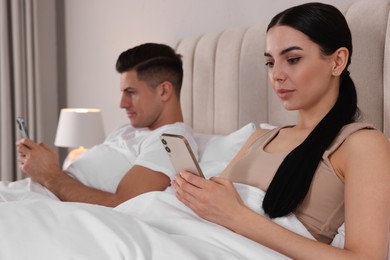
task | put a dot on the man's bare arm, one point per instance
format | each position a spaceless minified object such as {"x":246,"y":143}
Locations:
{"x":138,"y":180}
{"x":41,"y":163}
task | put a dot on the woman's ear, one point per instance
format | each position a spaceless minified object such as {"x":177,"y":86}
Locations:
{"x":340,"y":58}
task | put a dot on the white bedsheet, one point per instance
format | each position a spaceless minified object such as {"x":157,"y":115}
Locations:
{"x":35,"y":225}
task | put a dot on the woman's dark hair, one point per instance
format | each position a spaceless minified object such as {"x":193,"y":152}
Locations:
{"x":326,"y":26}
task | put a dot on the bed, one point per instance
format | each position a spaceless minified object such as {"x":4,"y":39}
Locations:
{"x":225,"y":97}
{"x":226,"y":84}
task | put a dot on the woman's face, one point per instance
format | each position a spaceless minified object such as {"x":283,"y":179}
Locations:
{"x":300,"y":74}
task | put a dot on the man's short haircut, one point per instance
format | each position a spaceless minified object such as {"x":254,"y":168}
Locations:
{"x":154,"y":64}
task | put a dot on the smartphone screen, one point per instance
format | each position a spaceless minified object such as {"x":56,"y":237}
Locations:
{"x":22,"y":127}
{"x":180,"y":153}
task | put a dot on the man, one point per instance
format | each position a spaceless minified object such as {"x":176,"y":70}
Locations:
{"x":132,"y":160}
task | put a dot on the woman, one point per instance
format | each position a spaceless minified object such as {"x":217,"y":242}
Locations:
{"x":327,"y":169}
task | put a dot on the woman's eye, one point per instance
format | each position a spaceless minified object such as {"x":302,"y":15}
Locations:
{"x":293,"y":60}
{"x":269,"y":64}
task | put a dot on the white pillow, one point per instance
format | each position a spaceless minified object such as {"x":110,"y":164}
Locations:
{"x":267,"y":126}
{"x":216,"y":151}
{"x":338,"y":240}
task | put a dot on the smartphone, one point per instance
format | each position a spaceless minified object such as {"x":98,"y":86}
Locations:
{"x":22,"y":127}
{"x":180,"y":153}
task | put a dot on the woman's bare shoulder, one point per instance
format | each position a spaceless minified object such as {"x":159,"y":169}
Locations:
{"x":367,"y":140}
{"x":361,"y":150}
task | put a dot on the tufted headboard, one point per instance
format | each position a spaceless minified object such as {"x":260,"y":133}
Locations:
{"x":225,"y":81}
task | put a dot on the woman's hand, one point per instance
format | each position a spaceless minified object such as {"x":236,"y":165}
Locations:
{"x":37,"y":160}
{"x":215,"y":200}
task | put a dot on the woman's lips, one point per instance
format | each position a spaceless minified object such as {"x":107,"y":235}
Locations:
{"x":284,"y":93}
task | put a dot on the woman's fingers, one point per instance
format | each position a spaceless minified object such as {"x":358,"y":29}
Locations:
{"x":186,"y":190}
{"x":193,"y":179}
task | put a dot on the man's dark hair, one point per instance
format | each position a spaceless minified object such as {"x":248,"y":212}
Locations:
{"x":154,"y":64}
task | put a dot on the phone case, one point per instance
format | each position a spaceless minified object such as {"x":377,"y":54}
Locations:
{"x":22,"y":127}
{"x":181,"y":154}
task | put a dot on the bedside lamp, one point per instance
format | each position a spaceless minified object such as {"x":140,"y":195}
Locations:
{"x":79,"y":128}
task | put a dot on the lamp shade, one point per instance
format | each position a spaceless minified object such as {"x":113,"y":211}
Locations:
{"x":79,"y":127}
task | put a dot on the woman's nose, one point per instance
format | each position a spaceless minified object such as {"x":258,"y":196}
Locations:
{"x":277,"y":74}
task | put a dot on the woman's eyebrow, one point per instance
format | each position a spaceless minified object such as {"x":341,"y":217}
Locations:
{"x":292,"y":48}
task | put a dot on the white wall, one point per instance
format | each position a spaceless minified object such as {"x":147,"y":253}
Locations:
{"x":97,"y":31}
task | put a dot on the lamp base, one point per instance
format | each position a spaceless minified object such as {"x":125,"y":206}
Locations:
{"x":73,"y":156}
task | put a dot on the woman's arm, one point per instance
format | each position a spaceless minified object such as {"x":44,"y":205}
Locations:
{"x":362,"y":159}
{"x":217,"y":201}
{"x":364,"y":162}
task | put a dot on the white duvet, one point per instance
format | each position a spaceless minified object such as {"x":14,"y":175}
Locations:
{"x":35,"y":225}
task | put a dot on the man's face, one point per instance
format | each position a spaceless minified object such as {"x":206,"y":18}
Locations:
{"x":143,"y":104}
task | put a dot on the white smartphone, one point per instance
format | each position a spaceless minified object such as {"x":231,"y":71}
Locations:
{"x":22,"y":127}
{"x":180,"y":153}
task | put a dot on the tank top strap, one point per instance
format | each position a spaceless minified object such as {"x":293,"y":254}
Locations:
{"x":346,"y":131}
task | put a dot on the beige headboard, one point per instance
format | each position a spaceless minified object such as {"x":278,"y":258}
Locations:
{"x":226,"y":86}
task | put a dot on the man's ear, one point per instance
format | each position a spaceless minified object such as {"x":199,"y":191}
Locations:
{"x":340,"y":58}
{"x":166,"y":90}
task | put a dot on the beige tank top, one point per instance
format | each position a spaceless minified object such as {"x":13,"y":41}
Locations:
{"x":322,"y":211}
